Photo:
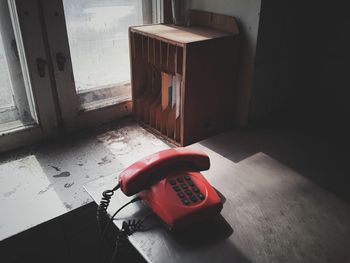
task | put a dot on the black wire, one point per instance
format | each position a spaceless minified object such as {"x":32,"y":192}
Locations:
{"x":102,"y":208}
{"x":102,"y":215}
{"x":147,"y":216}
{"x":128,"y":227}
{"x":116,"y":187}
{"x":111,"y":219}
{"x":121,"y":242}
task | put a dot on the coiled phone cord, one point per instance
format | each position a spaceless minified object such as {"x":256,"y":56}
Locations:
{"x":121,"y":243}
{"x":128,"y":227}
{"x":112,"y":217}
{"x":102,"y":208}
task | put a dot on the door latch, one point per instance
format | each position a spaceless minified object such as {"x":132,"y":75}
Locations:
{"x":41,"y":67}
{"x":61,"y":61}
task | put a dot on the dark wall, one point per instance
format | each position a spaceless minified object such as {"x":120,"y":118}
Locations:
{"x":302,"y":59}
{"x":329,"y":67}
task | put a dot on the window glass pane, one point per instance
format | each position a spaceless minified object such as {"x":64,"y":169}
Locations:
{"x":98,"y":39}
{"x":16,"y":104}
{"x":5,"y":88}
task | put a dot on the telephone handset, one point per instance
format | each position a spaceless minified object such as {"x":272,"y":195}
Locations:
{"x":171,"y":184}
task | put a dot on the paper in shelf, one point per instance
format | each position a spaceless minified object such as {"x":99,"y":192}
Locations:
{"x":166,"y":83}
{"x":177,"y":89}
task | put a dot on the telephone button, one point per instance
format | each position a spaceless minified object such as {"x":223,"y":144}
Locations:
{"x":195,"y":189}
{"x":188,"y":192}
{"x":172,"y":182}
{"x":187,"y":178}
{"x":193,"y":199}
{"x":176,"y":188}
{"x":190,"y":183}
{"x":184,"y":186}
{"x":180,"y":179}
{"x":185,"y":201}
{"x":200,"y":196}
{"x":181,"y":195}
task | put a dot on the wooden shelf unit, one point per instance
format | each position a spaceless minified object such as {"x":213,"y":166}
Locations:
{"x":203,"y":59}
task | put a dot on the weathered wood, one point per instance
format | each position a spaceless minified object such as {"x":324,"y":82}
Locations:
{"x":209,"y":100}
{"x":178,"y":34}
{"x":171,"y":122}
{"x":34,"y":48}
{"x":212,"y":20}
{"x":205,"y":55}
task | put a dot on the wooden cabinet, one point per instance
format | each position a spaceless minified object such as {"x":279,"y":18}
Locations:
{"x":184,"y":77}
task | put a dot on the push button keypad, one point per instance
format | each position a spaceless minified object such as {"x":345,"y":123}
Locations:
{"x":186,"y":190}
{"x":184,"y":186}
{"x":200,"y":196}
{"x":181,"y":195}
{"x":179,"y":179}
{"x":193,"y":199}
{"x":176,"y":188}
{"x":195,"y":189}
{"x":185,"y":201}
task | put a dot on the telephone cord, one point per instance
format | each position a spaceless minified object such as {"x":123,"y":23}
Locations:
{"x":112,"y":217}
{"x":128,"y":227}
{"x":102,"y":208}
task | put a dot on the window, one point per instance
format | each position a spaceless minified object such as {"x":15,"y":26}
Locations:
{"x":99,"y":47}
{"x":7,"y":105}
{"x":88,"y":41}
{"x":16,"y":102}
{"x":64,"y":64}
{"x":27,"y":110}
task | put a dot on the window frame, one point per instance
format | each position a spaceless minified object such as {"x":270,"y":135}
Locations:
{"x":74,"y":118}
{"x":42,"y":25}
{"x":25,"y":16}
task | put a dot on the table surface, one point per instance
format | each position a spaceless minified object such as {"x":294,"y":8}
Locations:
{"x":271,"y":214}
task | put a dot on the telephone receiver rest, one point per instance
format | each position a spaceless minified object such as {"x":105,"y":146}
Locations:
{"x":157,"y":166}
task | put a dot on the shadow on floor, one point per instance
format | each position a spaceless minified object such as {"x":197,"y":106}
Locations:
{"x":317,"y":151}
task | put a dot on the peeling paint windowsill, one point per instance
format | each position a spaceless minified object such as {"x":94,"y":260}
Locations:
{"x":46,"y":181}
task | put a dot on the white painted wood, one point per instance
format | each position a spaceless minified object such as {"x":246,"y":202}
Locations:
{"x":100,"y":116}
{"x":18,"y":137}
{"x":41,"y":20}
{"x":47,"y":182}
{"x":26,"y":16}
{"x":34,"y":46}
{"x":10,"y":35}
{"x":72,"y":116}
{"x":55,"y":26}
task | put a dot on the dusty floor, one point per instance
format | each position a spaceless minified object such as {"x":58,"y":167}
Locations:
{"x":45,"y":181}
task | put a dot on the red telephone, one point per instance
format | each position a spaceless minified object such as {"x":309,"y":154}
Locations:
{"x":170,"y":183}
